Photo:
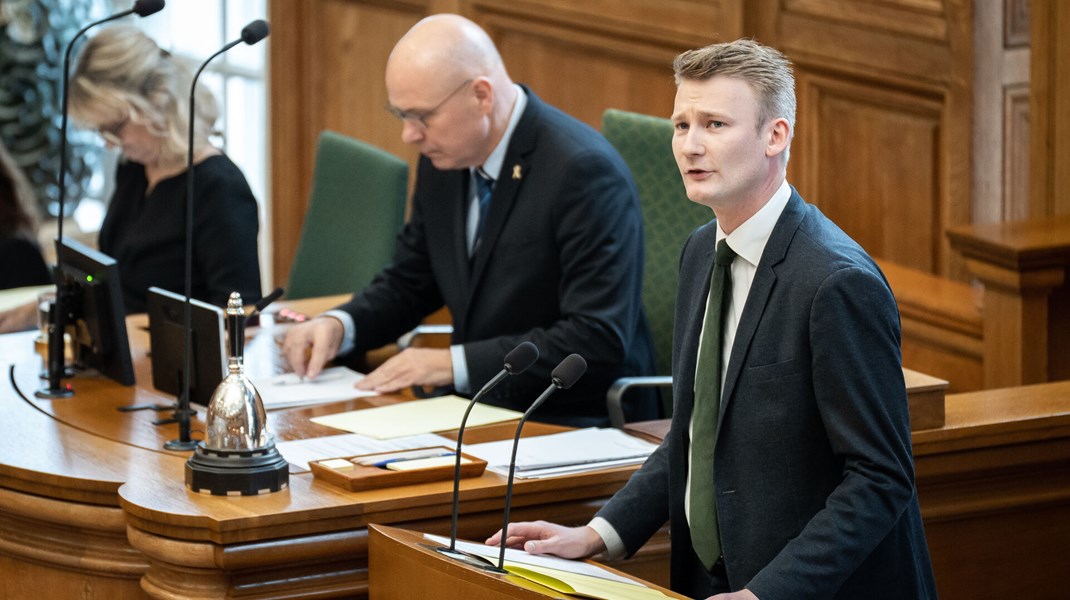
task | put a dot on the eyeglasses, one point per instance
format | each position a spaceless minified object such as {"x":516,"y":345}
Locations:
{"x":420,"y":117}
{"x":111,"y":133}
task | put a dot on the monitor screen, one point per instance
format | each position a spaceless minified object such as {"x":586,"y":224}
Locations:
{"x":167,"y":326}
{"x":94,"y":307}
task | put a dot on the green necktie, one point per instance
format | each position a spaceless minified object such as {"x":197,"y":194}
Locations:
{"x":705,"y":537}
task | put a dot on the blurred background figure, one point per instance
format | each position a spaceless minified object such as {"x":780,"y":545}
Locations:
{"x":21,"y":263}
{"x":136,"y":96}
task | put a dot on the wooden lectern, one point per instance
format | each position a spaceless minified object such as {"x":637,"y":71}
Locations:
{"x":402,"y":565}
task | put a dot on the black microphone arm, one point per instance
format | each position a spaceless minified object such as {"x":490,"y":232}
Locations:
{"x":564,"y":376}
{"x":58,"y":317}
{"x":264,"y":302}
{"x":251,"y":34}
{"x":517,"y":361}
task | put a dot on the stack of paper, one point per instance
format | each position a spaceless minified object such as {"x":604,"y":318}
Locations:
{"x":565,"y":576}
{"x":288,"y":390}
{"x":566,"y":453}
{"x":415,"y":417}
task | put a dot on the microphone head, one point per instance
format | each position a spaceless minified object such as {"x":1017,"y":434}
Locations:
{"x":568,"y":371}
{"x":254,"y":32}
{"x":266,"y":300}
{"x":521,"y":358}
{"x":144,"y":8}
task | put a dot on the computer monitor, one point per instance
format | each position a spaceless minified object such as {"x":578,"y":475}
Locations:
{"x":167,"y":338}
{"x":95,"y":316}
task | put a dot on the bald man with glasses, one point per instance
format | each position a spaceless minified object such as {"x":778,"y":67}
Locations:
{"x":525,"y":224}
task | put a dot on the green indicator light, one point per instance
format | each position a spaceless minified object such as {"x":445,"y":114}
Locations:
{"x":89,"y":278}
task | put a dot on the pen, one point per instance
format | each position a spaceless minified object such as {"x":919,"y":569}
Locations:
{"x":420,"y":456}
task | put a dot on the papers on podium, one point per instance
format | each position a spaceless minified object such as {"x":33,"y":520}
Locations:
{"x":418,"y":416}
{"x":565,"y":453}
{"x":562,"y":575}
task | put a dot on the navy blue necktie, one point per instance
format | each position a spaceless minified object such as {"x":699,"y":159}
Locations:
{"x":485,"y":188}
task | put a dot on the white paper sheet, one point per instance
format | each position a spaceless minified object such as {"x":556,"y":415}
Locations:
{"x":300,"y":452}
{"x":414,"y":417}
{"x":519,"y":556}
{"x":287,"y":390}
{"x":569,"y":452}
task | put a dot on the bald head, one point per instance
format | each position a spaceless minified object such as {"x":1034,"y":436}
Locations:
{"x":446,"y":48}
{"x":446,"y":81}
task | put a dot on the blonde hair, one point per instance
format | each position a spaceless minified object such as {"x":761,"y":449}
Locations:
{"x":766,"y":69}
{"x":18,"y":211}
{"x":122,"y":73}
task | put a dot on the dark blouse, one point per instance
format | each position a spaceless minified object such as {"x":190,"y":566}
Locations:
{"x":146,"y":234}
{"x":21,"y":264}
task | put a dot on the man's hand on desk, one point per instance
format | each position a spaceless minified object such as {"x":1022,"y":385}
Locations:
{"x":412,"y":366}
{"x":540,"y":537}
{"x":310,"y":345}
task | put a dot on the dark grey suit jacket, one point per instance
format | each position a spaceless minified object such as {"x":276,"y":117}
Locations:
{"x":813,"y":466}
{"x":560,"y":264}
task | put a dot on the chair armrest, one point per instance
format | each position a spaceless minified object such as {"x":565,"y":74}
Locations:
{"x":406,"y":340}
{"x":615,"y":395}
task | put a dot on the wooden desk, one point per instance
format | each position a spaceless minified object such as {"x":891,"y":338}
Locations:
{"x":90,"y":505}
{"x":403,"y":566}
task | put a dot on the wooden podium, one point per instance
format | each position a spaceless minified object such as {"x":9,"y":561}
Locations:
{"x":403,"y":565}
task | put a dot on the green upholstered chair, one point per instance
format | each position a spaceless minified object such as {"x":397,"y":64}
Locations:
{"x":645,"y":143}
{"x":356,"y":208}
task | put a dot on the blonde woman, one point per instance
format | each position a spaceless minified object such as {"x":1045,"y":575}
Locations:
{"x":137,"y":97}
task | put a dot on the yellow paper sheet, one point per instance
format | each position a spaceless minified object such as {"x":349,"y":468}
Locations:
{"x":583,"y":585}
{"x":419,"y":416}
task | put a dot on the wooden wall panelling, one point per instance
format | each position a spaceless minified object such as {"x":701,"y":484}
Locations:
{"x":327,"y":66}
{"x":873,"y":165}
{"x":1001,"y":87}
{"x":585,"y":57}
{"x":1050,"y":129}
{"x":889,"y":63}
{"x":1015,"y":149}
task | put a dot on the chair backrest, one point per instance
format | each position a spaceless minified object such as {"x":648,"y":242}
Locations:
{"x":645,"y":143}
{"x":356,"y":208}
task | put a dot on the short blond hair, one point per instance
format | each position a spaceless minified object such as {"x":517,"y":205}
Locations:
{"x":766,"y":69}
{"x":121,"y":73}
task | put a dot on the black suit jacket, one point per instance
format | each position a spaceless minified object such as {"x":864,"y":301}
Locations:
{"x":560,"y":264}
{"x":813,"y":466}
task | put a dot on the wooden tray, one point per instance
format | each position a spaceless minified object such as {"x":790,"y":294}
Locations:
{"x":356,"y":477}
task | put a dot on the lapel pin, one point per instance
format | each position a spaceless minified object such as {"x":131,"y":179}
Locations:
{"x":516,"y":172}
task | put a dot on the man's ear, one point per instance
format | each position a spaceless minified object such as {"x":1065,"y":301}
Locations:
{"x":484,"y":92}
{"x":779,"y":137}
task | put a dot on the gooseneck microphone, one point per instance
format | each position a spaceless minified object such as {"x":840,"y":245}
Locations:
{"x":251,"y":34}
{"x":58,"y":313}
{"x":264,"y":302}
{"x":517,"y":361}
{"x":564,"y":376}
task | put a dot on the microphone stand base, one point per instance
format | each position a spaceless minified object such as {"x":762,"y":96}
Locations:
{"x":237,"y":472}
{"x":472,"y":560}
{"x":47,"y":392}
{"x":180,"y":445}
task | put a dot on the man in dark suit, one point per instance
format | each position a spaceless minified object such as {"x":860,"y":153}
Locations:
{"x":525,"y":223}
{"x":787,"y":471}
